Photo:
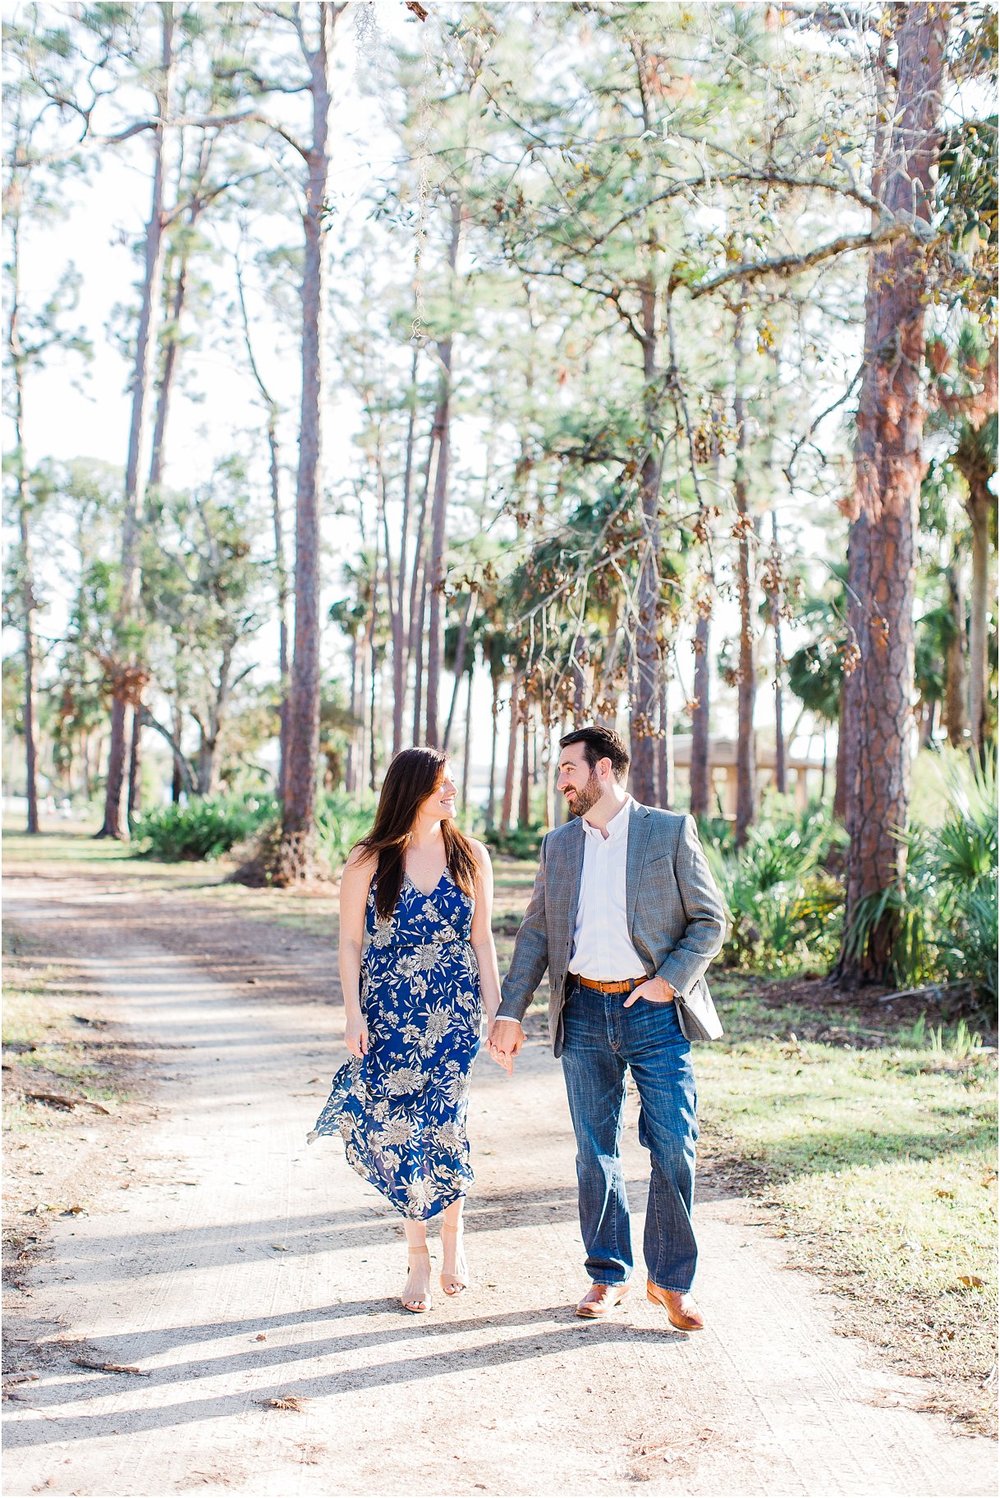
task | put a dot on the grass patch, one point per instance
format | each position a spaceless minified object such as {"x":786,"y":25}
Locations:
{"x":46,"y":1048}
{"x":877,"y":1151}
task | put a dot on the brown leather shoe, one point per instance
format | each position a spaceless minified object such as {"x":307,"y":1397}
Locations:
{"x":601,"y":1299}
{"x":679,"y":1306}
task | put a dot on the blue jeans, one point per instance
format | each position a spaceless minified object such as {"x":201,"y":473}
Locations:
{"x":601,"y":1039}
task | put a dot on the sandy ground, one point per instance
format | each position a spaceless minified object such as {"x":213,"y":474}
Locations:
{"x":234,"y":1265}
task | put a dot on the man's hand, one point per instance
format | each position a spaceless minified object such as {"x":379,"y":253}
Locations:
{"x":505,"y":1040}
{"x":656,"y":990}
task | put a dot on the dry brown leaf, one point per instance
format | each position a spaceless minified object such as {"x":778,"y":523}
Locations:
{"x":284,"y":1402}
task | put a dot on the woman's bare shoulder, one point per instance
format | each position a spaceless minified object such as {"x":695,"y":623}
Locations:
{"x":361,"y":863}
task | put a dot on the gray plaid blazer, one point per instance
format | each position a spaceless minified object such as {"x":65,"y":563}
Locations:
{"x":677,"y":919}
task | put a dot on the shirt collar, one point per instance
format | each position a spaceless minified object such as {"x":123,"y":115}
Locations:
{"x":616,"y":829}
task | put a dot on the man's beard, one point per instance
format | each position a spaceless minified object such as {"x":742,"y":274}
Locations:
{"x":590,"y":795}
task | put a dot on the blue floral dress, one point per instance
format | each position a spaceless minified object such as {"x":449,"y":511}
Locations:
{"x":401,"y":1108}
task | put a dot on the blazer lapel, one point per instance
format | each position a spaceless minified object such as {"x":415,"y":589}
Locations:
{"x":639,"y":823}
{"x":574,"y":873}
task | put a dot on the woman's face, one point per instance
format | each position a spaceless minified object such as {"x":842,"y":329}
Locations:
{"x":441,"y":801}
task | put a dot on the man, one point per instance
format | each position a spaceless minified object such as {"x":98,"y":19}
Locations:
{"x":626,"y":917}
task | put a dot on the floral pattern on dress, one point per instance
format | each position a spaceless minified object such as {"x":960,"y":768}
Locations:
{"x":401,"y":1108}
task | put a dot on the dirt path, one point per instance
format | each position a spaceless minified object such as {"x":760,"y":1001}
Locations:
{"x":242,"y":1266}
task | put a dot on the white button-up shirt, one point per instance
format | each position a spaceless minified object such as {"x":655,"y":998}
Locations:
{"x":601,"y":946}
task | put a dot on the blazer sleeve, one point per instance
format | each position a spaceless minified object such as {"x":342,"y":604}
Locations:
{"x":531,"y":952}
{"x":704,"y":909}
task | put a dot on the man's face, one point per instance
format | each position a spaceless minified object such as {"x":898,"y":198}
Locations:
{"x":580,"y":785}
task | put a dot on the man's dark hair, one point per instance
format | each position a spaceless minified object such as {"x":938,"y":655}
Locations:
{"x":600,"y":743}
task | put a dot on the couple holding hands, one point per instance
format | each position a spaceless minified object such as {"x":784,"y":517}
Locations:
{"x":624,"y":915}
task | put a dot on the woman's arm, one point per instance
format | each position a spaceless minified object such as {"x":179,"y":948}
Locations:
{"x":482,"y":934}
{"x":354,"y":885}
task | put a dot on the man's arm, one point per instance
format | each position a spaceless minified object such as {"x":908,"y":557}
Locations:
{"x":531,"y":953}
{"x":705,"y":911}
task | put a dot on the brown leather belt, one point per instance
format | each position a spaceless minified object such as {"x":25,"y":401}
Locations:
{"x":623,"y":985}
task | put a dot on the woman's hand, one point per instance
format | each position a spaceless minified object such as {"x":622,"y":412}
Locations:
{"x":356,"y":1037}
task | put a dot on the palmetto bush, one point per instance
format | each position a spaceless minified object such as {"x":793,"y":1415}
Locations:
{"x":947,"y":913}
{"x":340,"y":820}
{"x":210,"y":826}
{"x":205,"y":827}
{"x":785,"y":908}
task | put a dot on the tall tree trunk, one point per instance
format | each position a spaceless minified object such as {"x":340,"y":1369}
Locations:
{"x":461,"y":643}
{"x":278,"y":530}
{"x":176,"y":776}
{"x":27,"y":585}
{"x":400,"y":652}
{"x":507,"y":808}
{"x":700,"y":716}
{"x":467,"y":744}
{"x":123,"y":678}
{"x":889,"y":468}
{"x":524,"y":799}
{"x":774,"y":600}
{"x":842,"y":768}
{"x":665,"y":748}
{"x":979,"y":504}
{"x":418,"y":591}
{"x":135,"y":767}
{"x":647,"y":663}
{"x":439,"y":509}
{"x":297,"y":841}
{"x":746,"y":692}
{"x":956,"y":683}
{"x":491,"y":800}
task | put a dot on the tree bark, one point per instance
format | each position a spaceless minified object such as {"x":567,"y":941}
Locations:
{"x":135,"y":768}
{"x":956,"y":675}
{"x":460,"y":648}
{"x":647,"y":662}
{"x":439,"y":508}
{"x":889,"y":467}
{"x":467,"y":745}
{"x":700,"y":717}
{"x":780,"y":776}
{"x":507,"y":808}
{"x":978,"y":504}
{"x":115,"y":823}
{"x":491,"y":800}
{"x":418,"y":591}
{"x":400,"y":641}
{"x":278,"y":530}
{"x":746,"y":691}
{"x":524,"y":799}
{"x":296,"y":852}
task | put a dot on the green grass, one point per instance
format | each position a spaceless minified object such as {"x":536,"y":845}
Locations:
{"x":876,"y":1153}
{"x":41,"y":1037}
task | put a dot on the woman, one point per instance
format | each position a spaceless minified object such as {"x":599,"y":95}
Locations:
{"x":421,"y":893}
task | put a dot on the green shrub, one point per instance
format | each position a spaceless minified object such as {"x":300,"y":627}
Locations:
{"x":946,"y":915}
{"x":519,"y":842}
{"x":340,"y":820}
{"x":785,"y":907}
{"x":204,"y":827}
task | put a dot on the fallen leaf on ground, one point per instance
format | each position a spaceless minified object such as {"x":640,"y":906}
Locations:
{"x":284,"y":1402}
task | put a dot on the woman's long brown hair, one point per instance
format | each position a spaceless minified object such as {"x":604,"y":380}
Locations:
{"x":411,"y":777}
